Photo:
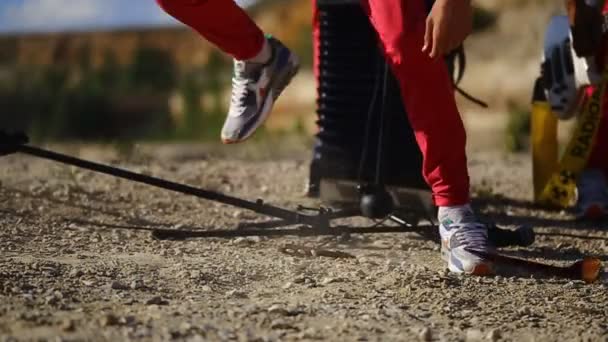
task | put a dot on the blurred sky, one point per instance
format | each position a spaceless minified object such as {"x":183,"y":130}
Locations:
{"x":62,"y":15}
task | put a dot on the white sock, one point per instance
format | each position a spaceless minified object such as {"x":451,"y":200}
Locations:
{"x":456,"y":214}
{"x":264,"y":55}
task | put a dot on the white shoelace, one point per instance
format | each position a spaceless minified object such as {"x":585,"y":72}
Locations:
{"x":240,"y":85}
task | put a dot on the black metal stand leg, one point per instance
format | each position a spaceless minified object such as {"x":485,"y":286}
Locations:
{"x":313,"y":224}
{"x":9,"y":142}
{"x":258,"y":206}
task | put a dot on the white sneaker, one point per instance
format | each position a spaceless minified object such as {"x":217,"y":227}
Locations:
{"x":255,"y":88}
{"x":591,"y":195}
{"x":461,"y":233}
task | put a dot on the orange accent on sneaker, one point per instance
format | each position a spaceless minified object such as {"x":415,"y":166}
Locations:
{"x":483,"y":270}
{"x":263,"y":92}
{"x":445,"y":244}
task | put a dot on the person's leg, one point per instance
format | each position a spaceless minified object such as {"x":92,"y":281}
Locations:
{"x":428,"y":96}
{"x":599,"y":153}
{"x":592,"y":188}
{"x":222,"y":22}
{"x":316,"y":39}
{"x":263,"y":66}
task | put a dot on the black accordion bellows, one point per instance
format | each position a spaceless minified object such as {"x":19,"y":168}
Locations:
{"x":350,"y":86}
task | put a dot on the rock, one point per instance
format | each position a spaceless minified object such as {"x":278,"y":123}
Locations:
{"x":142,"y":332}
{"x":280,"y":324}
{"x":206,"y":289}
{"x":51,"y":300}
{"x":75,"y":273}
{"x":425,"y":334}
{"x":361,"y":274}
{"x":157,"y":300}
{"x":278,"y":309}
{"x":196,"y":338}
{"x":127,"y":320}
{"x":236,"y":294}
{"x":88,"y":282}
{"x":254,"y":239}
{"x":368,"y":261}
{"x":309,"y":334}
{"x":116,"y":285}
{"x":136,"y":284}
{"x":240,"y":241}
{"x":68,"y":325}
{"x":382,"y":244}
{"x":474,"y":335}
{"x":287,"y":285}
{"x":330,"y":280}
{"x":390,"y":265}
{"x":185,"y":327}
{"x":523,"y":311}
{"x":109,"y":320}
{"x":300,"y":279}
{"x":493,"y":335}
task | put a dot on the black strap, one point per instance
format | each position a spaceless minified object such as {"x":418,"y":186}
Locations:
{"x":458,"y":56}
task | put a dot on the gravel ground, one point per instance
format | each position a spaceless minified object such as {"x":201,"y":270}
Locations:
{"x":68,"y":273}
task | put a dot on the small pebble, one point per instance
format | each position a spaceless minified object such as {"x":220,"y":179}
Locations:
{"x":474,"y":335}
{"x":75,"y":273}
{"x":157,"y":301}
{"x":136,"y":284}
{"x":68,"y":325}
{"x":116,"y":285}
{"x":493,"y":335}
{"x":236,"y":294}
{"x":425,"y":334}
{"x":278,"y":310}
{"x":280,"y":324}
{"x":109,"y":320}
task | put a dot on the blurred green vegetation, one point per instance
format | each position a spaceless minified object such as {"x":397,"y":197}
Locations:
{"x":518,"y":130}
{"x":113,"y":102}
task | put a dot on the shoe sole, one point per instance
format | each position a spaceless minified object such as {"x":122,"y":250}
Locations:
{"x":483,"y":269}
{"x":269,"y":99}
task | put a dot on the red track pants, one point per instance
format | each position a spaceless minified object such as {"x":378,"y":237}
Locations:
{"x":425,"y":84}
{"x":599,"y":154}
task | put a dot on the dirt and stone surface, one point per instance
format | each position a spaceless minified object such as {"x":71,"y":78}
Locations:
{"x":71,"y":270}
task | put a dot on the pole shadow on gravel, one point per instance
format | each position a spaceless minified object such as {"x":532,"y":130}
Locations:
{"x":46,"y":197}
{"x":533,"y":221}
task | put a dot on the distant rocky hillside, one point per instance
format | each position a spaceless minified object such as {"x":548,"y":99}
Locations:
{"x":503,"y":61}
{"x":70,"y":48}
{"x":286,"y":19}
